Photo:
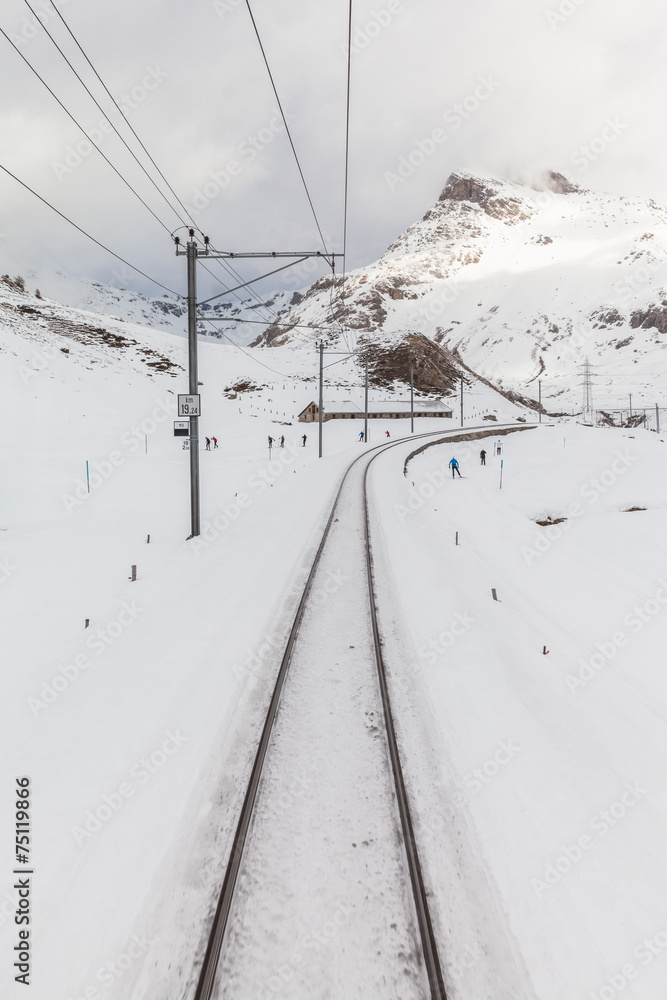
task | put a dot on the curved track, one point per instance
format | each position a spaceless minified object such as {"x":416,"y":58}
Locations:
{"x":221,"y":922}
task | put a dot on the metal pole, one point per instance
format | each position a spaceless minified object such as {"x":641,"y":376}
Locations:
{"x":540,"y":409}
{"x":462,"y":402}
{"x":193,"y":386}
{"x":657,"y":418}
{"x":321,"y":406}
{"x":412,"y":402}
{"x":366,"y":408}
{"x":630,"y":394}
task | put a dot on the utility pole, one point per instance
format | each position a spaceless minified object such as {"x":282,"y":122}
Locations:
{"x":630,"y":394}
{"x":412,"y":401}
{"x":193,"y":378}
{"x":539,"y":385}
{"x":657,"y":418}
{"x":193,"y":252}
{"x":321,"y":406}
{"x":461,"y":401}
{"x":366,"y":407}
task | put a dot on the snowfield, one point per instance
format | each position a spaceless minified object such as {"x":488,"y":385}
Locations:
{"x":537,"y":780}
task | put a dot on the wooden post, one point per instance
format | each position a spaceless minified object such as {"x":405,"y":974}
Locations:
{"x":493,"y":592}
{"x":134,"y":574}
{"x":148,"y":539}
{"x":457,"y":538}
{"x":87,"y":623}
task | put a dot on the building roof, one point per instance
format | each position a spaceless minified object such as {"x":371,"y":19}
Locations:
{"x":388,"y":406}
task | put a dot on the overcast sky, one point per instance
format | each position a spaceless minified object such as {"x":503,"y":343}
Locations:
{"x":509,"y":86}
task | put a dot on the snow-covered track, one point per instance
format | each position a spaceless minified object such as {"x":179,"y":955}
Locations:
{"x":348,"y":496}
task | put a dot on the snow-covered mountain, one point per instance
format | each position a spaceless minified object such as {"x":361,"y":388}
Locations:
{"x":239,"y":314}
{"x":520,"y":281}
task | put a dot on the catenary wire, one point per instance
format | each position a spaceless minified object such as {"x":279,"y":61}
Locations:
{"x":88,"y":236}
{"x":82,"y":129}
{"x":289,"y":134}
{"x":100,"y":108}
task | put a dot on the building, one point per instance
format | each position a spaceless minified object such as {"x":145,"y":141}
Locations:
{"x":390,"y":410}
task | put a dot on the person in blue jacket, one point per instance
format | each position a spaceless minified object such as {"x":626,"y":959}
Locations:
{"x":454,"y":466}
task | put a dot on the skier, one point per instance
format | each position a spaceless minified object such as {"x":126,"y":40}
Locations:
{"x":208,"y":444}
{"x":215,"y":442}
{"x":482,"y":457}
{"x":270,"y":442}
{"x":304,"y":440}
{"x":282,"y":440}
{"x":454,"y":466}
{"x":387,"y":434}
{"x":361,"y":435}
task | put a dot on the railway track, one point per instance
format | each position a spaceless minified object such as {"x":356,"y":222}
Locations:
{"x":366,"y":649}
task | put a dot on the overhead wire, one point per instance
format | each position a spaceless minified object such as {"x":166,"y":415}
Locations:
{"x":287,"y":129}
{"x":82,"y":129}
{"x":88,"y":236}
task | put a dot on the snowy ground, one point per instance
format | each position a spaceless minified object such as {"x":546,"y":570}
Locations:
{"x":540,"y":779}
{"x":138,"y":731}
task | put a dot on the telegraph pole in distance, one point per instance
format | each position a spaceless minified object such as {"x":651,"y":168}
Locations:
{"x":461,"y":401}
{"x":321,"y":406}
{"x":539,"y":384}
{"x":657,"y":418}
{"x":412,"y":401}
{"x":630,"y":394}
{"x":366,"y":407}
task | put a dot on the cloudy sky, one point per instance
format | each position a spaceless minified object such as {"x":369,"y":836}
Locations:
{"x":507,"y":87}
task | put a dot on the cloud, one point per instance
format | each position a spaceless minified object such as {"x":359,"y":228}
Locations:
{"x":561,"y":77}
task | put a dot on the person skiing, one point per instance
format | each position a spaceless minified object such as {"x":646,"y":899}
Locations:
{"x":282,"y":440}
{"x":304,"y":440}
{"x":482,"y":457}
{"x":387,"y":434}
{"x":208,"y":444}
{"x":215,"y":442}
{"x":270,"y":442}
{"x":454,"y":466}
{"x":361,"y":435}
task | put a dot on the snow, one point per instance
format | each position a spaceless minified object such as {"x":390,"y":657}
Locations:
{"x":139,"y":731}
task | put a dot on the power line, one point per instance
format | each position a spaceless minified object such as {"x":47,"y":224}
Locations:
{"x":99,"y":106}
{"x":87,"y":235}
{"x":122,"y":113}
{"x":289,"y":134}
{"x":82,"y":129}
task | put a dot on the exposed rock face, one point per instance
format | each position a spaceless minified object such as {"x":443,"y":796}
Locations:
{"x":654,"y":316}
{"x":436,"y":370}
{"x":464,"y":188}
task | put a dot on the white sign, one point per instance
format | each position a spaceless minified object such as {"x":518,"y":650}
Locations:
{"x":186,"y":444}
{"x":181,"y":428}
{"x":189,"y":406}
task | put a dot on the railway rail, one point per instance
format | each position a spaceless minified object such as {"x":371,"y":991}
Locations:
{"x":221,"y":921}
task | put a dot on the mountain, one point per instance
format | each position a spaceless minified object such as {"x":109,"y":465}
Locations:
{"x":521,"y":281}
{"x":238,"y":315}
